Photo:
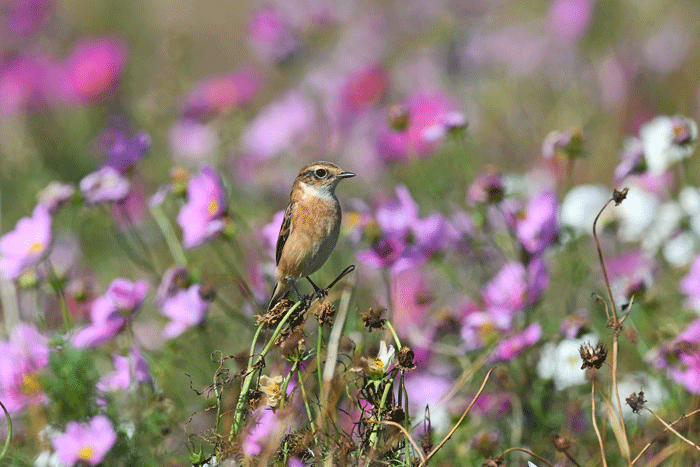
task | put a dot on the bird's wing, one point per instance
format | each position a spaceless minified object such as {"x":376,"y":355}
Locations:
{"x":285,"y":230}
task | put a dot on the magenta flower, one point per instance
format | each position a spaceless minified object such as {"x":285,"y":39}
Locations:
{"x":129,"y":370}
{"x":279,"y":127}
{"x":55,"y":195}
{"x":569,"y":19}
{"x":690,"y":285}
{"x":93,"y":69}
{"x":220,"y":94}
{"x":411,"y":296}
{"x":111,"y":312}
{"x":125,"y":151}
{"x":538,"y":227}
{"x":27,"y":244}
{"x":105,"y":184}
{"x":200,"y":218}
{"x":270,"y":35}
{"x":487,"y":187}
{"x":630,"y":273}
{"x":264,"y":424}
{"x":270,"y":232}
{"x":363,"y":89}
{"x":21,"y":360}
{"x":193,"y":142}
{"x":506,"y":292}
{"x":85,"y":443}
{"x":427,"y":123}
{"x":513,"y":346}
{"x":23,"y":83}
{"x":23,"y":17}
{"x":186,"y":308}
{"x":680,"y":358}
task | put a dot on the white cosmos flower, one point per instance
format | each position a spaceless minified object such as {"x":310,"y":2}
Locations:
{"x":562,"y":362}
{"x":666,"y":141}
{"x":637,"y":213}
{"x":580,"y":206}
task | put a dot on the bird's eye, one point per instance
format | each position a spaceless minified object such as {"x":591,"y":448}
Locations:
{"x":320,"y":173}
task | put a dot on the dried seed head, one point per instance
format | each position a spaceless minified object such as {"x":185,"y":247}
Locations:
{"x":325,"y":314}
{"x":593,"y":357}
{"x":372,"y":319}
{"x":275,"y":315}
{"x":560,"y":443}
{"x":406,"y":356}
{"x":620,"y":195}
{"x":636,"y":401}
{"x":497,"y":462}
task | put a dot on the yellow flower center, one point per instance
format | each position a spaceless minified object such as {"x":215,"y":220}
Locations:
{"x":378,"y":364}
{"x":212,"y":207}
{"x":352,"y":218}
{"x":35,"y":247}
{"x":85,"y":453}
{"x":486,"y":328}
{"x":30,"y":385}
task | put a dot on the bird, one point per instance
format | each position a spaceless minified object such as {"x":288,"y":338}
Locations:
{"x":309,"y":229}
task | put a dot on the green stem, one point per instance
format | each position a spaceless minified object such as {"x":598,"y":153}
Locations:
{"x":238,"y":414}
{"x":285,"y":384}
{"x":9,"y":432}
{"x":306,"y":402}
{"x":168,"y":232}
{"x":55,"y":283}
{"x":393,"y":333}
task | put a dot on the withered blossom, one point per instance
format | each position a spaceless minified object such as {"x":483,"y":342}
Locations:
{"x":271,"y":389}
{"x":593,"y":357}
{"x":372,"y":319}
{"x":636,"y":401}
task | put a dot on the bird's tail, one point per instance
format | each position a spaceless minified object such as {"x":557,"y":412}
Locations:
{"x":282,"y":288}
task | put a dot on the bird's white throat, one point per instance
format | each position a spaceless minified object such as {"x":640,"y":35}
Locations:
{"x":324,"y":192}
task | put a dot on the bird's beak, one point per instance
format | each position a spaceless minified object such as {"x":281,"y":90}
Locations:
{"x":346,"y":175}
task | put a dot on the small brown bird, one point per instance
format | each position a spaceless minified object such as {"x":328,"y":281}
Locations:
{"x":310,"y":227}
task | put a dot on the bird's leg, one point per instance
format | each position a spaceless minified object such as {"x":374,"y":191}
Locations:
{"x":318,"y":293}
{"x":304,"y":299}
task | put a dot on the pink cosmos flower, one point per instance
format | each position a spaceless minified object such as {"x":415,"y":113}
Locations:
{"x":105,"y":184}
{"x":270,"y":232}
{"x":264,"y":424}
{"x":487,"y":186}
{"x":186,"y":308}
{"x":220,"y":94}
{"x":126,"y":151}
{"x":506,"y":292}
{"x":111,"y":312}
{"x":93,"y":69}
{"x":279,"y":127}
{"x":21,"y":359}
{"x":427,"y":123}
{"x":129,"y":370}
{"x":23,"y":83}
{"x":27,"y":244}
{"x":85,"y":443}
{"x":23,"y":17}
{"x":270,"y":35}
{"x":55,"y":195}
{"x":689,"y":285}
{"x":680,"y":358}
{"x":363,"y":89}
{"x":513,"y":346}
{"x":200,"y":218}
{"x":569,"y":19}
{"x":538,"y":228}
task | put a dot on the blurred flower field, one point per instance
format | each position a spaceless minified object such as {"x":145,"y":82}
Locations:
{"x":524,"y":226}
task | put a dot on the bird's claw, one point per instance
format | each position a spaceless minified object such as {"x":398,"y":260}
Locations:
{"x":321,"y":294}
